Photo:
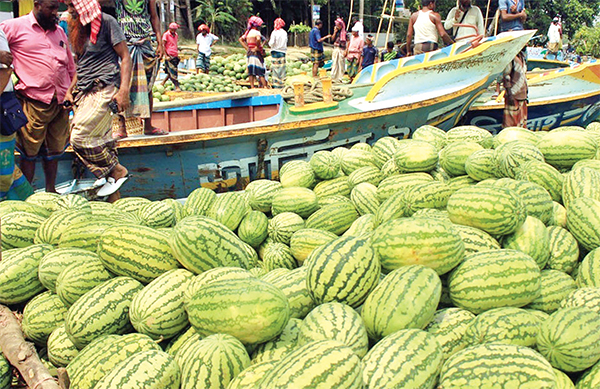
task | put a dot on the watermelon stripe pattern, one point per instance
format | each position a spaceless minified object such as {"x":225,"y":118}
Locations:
{"x":85,"y":235}
{"x":18,"y":229}
{"x":583,"y":221}
{"x":304,"y":241}
{"x":448,"y":326}
{"x":199,"y":201}
{"x":80,"y":277}
{"x":555,"y":287}
{"x":336,"y":218}
{"x":503,"y":325}
{"x":60,"y":348}
{"x":19,"y":274}
{"x":582,"y":182}
{"x":293,"y":285}
{"x":564,"y":251}
{"x":42,"y":315}
{"x":274,"y":350}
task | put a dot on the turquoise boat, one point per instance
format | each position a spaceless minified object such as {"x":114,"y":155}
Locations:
{"x":223,"y":142}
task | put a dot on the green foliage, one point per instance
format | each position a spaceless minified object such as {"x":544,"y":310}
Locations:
{"x":574,"y":13}
{"x":299,"y":28}
{"x":587,"y":41}
{"x":226,"y":18}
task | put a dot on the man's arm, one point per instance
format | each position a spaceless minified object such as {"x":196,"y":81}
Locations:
{"x":409,"y":35}
{"x":450,"y":19}
{"x":480,"y":24}
{"x":122,"y":96}
{"x":507,"y":17}
{"x":154,"y":19}
{"x":437,"y":20}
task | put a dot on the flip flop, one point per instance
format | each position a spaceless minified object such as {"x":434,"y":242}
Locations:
{"x":111,"y":186}
{"x":118,"y":136}
{"x":157,"y":131}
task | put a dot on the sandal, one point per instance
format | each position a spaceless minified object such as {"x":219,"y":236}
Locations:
{"x":157,"y":131}
{"x":111,"y":186}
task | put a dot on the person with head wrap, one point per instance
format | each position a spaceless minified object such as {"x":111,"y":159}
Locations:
{"x":554,"y":38}
{"x":252,"y":42}
{"x":354,"y":53}
{"x":278,"y":45}
{"x":339,"y":38}
{"x":170,"y":39}
{"x":101,"y":85}
{"x":204,"y":42}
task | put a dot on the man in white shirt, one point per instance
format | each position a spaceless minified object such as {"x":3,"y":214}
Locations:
{"x":554,"y":38}
{"x":204,"y":42}
{"x":465,"y":13}
{"x":278,"y":44}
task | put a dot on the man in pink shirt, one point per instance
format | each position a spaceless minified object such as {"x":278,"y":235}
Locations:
{"x":170,"y":39}
{"x":44,"y":65}
{"x":354,"y":53}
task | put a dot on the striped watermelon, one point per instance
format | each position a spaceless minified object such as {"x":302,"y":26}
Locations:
{"x":428,"y":242}
{"x":389,"y":169}
{"x":384,"y":310}
{"x":147,"y":259}
{"x":274,"y":350}
{"x":73,"y":201}
{"x":274,"y":274}
{"x":61,"y":349}
{"x":179,"y":341}
{"x":343,"y":270}
{"x":252,"y":310}
{"x":85,"y":235}
{"x":334,"y":199}
{"x":482,"y":165}
{"x":481,"y":282}
{"x":305,"y":240}
{"x":297,"y":174}
{"x":497,"y":366}
{"x":199,"y":201}
{"x":368,"y":174}
{"x":251,"y":377}
{"x":427,"y":195}
{"x":415,"y":156}
{"x":384,"y":150}
{"x":283,"y":225}
{"x":336,"y":218}
{"x":42,"y":315}
{"x":301,"y":201}
{"x":544,"y":175}
{"x":511,"y":155}
{"x":278,"y":255}
{"x":397,"y":183}
{"x":562,"y":149}
{"x":417,"y":360}
{"x":588,"y":274}
{"x":476,"y":240}
{"x":470,"y":134}
{"x":509,"y":134}
{"x":79,"y":364}
{"x":323,"y":364}
{"x":563,"y":381}
{"x":19,"y":274}
{"x":229,"y":209}
{"x":559,"y":215}
{"x":456,"y":183}
{"x":392,"y":208}
{"x":496,"y":210}
{"x":6,"y":373}
{"x":262,"y":193}
{"x":158,"y":214}
{"x":18,"y":229}
{"x":52,"y":228}
{"x":79,"y":277}
{"x":9,"y":206}
{"x":254,"y":228}
{"x":57,"y":260}
{"x":337,"y":186}
{"x":454,"y":156}
{"x":147,"y":369}
{"x":213,"y":275}
{"x":589,"y":163}
{"x":448,"y":327}
{"x":583,"y":297}
{"x":293,"y":285}
{"x":357,"y":158}
{"x":583,"y":221}
{"x":364,"y":198}
{"x":102,"y":310}
{"x":590,"y":378}
{"x":361,"y":146}
{"x":581,"y":182}
{"x":325,"y":165}
{"x":570,"y":339}
{"x":131,"y":204}
{"x":536,"y":199}
{"x":555,"y":287}
{"x":46,"y":200}
{"x":439,"y":174}
{"x":157,"y":310}
{"x":531,"y":238}
{"x":335,"y":321}
{"x":200,"y":244}
{"x":363,"y":225}
{"x":105,"y":210}
{"x":178,"y":210}
{"x":505,"y":325}
{"x":431,"y":134}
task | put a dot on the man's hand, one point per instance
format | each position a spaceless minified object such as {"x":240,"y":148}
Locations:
{"x":513,"y":8}
{"x":457,"y":15}
{"x":6,"y":58}
{"x":523,"y":16}
{"x":160,"y":51}
{"x":69,"y":101}
{"x":122,"y":99}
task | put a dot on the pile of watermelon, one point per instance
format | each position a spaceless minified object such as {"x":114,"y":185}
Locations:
{"x":449,"y":260}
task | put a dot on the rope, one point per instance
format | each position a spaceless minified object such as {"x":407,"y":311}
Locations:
{"x":314,"y":92}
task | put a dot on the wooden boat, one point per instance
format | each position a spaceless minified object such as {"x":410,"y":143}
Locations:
{"x":566,"y":96}
{"x":223,"y":142}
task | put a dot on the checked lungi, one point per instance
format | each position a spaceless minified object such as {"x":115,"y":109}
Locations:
{"x":278,"y":72}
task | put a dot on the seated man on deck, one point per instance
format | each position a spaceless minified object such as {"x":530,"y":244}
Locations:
{"x":426,"y":27}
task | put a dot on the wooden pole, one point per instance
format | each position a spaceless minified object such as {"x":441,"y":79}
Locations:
{"x":487,"y":13}
{"x":348,"y":27}
{"x":387,"y":35}
{"x":381,"y":20}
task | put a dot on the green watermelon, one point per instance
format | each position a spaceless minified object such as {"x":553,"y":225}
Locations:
{"x":80,"y":277}
{"x":415,"y":156}
{"x":262,"y":193}
{"x":431,"y":134}
{"x":531,"y":238}
{"x":336,"y":218}
{"x":564,"y":251}
{"x":254,"y":228}
{"x":293,"y":285}
{"x":305,"y":240}
{"x":505,"y":325}
{"x":325,"y":165}
{"x":229,"y":209}
{"x":583,"y":221}
{"x":199,"y":201}
{"x":19,"y":274}
{"x":301,"y":201}
{"x":42,"y":315}
{"x":454,"y":156}
{"x":297,"y":174}
{"x":448,"y":327}
{"x":562,"y":149}
{"x":544,"y":175}
{"x":61,"y":349}
{"x":18,"y":229}
{"x":555,"y":286}
{"x":274,"y":350}
{"x":282,"y":226}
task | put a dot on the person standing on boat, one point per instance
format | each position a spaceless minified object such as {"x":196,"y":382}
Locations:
{"x":354,"y":53}
{"x":204,"y":42}
{"x":252,"y":42}
{"x":99,"y":44}
{"x":389,"y":53}
{"x":315,"y":42}
{"x":140,"y":23}
{"x":465,"y":13}
{"x":554,"y":39}
{"x":171,"y":39}
{"x":278,"y":45}
{"x":339,"y":37}
{"x":358,"y":24}
{"x":426,"y":26}
{"x":369,"y":54}
{"x":44,"y":65}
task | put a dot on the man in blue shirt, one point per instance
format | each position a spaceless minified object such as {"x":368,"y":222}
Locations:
{"x":369,"y":54}
{"x":512,"y":15}
{"x":315,"y":41}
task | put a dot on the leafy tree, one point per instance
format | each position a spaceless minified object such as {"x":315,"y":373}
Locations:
{"x":226,"y":18}
{"x":587,"y":41}
{"x":574,"y":13}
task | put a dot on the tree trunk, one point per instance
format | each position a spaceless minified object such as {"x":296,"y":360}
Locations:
{"x":181,"y":18}
{"x":21,"y":354}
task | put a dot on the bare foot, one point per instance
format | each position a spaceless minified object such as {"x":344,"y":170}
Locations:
{"x":114,"y":197}
{"x":119,"y":171}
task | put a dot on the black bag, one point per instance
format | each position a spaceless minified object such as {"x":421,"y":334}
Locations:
{"x":13,"y":117}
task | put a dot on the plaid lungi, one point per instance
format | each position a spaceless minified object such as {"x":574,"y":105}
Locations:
{"x":13,"y":185}
{"x":278,"y":69}
{"x":352,"y":67}
{"x":425,"y":47}
{"x":144,"y":69}
{"x":91,"y":131}
{"x":317,"y":57}
{"x":171,"y":65}
{"x":256,"y":64}
{"x":203,"y":62}
{"x":515,"y":114}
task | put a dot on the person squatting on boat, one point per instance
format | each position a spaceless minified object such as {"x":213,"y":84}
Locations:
{"x":204,"y":42}
{"x":171,"y":39}
{"x":44,"y":65}
{"x":252,"y":42}
{"x":99,"y":84}
{"x":426,"y":27}
{"x":338,"y":62}
{"x":278,"y":45}
{"x":465,"y":13}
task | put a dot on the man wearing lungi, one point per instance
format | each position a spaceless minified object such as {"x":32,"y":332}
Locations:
{"x":170,"y":40}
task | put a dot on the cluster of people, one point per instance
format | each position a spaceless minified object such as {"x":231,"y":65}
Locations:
{"x":105,"y":66}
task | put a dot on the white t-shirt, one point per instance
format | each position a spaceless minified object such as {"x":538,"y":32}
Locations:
{"x":4,"y":47}
{"x":278,"y":41}
{"x":472,"y":17}
{"x":554,"y":33}
{"x":204,"y":42}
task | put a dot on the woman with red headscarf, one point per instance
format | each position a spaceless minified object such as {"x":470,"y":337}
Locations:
{"x":252,"y":42}
{"x":278,"y":45}
{"x":204,"y":42}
